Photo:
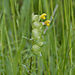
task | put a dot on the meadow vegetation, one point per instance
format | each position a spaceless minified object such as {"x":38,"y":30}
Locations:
{"x":21,"y":53}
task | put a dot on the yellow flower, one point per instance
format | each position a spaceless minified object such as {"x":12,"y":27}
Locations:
{"x":47,"y":22}
{"x":43,"y":16}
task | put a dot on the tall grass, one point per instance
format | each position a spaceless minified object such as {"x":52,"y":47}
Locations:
{"x":58,"y":53}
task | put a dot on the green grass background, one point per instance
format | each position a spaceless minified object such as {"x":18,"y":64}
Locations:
{"x":15,"y":51}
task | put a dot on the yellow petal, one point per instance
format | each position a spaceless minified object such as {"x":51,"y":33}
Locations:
{"x":43,"y":16}
{"x":47,"y":22}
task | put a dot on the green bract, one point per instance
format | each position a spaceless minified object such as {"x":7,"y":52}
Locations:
{"x":35,"y":18}
{"x":36,"y":34}
{"x":36,"y":25}
{"x":35,"y":48}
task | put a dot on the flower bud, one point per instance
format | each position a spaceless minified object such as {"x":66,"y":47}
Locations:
{"x":36,"y":49}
